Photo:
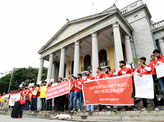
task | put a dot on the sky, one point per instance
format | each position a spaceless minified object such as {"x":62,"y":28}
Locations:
{"x":26,"y":25}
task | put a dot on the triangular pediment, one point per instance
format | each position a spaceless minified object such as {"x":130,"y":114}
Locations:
{"x":75,"y":26}
{"x":71,"y":29}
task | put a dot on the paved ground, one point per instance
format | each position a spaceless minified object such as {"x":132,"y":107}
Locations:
{"x":5,"y":118}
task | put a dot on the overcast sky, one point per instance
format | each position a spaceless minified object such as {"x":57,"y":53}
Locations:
{"x":26,"y":25}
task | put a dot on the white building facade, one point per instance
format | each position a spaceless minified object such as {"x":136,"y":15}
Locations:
{"x":102,"y":39}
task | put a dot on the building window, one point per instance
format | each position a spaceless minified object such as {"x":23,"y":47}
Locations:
{"x":72,"y":66}
{"x":87,"y":62}
{"x":102,"y":58}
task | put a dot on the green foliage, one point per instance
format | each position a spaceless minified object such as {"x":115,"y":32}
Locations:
{"x":135,"y":61}
{"x":27,"y":75}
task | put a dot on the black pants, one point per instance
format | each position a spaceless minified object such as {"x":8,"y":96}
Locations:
{"x":43,"y":104}
{"x":59,"y":104}
{"x":156,"y":83}
{"x":17,"y":111}
{"x":49,"y":104}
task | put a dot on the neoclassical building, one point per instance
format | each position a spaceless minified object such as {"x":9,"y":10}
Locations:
{"x":102,"y":39}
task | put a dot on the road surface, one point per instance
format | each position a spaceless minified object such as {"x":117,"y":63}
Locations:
{"x":6,"y":118}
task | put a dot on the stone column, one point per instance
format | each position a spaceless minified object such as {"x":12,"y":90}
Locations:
{"x":95,"y":59}
{"x":51,"y":59}
{"x":161,"y":45}
{"x":76,"y":58}
{"x":117,"y":45}
{"x":39,"y":78}
{"x":128,"y":49}
{"x":62,"y":61}
{"x":53,"y":73}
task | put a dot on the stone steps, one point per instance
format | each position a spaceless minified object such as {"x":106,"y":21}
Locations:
{"x":128,"y":116}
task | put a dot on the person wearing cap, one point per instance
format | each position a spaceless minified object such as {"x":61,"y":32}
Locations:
{"x":89,"y":108}
{"x":43,"y":89}
{"x":142,"y":70}
{"x":159,"y":60}
{"x":78,"y":93}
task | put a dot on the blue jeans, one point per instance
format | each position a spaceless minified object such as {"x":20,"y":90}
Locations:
{"x":161,"y":82}
{"x":90,"y":108}
{"x":34,"y":104}
{"x":27,"y":104}
{"x":77,"y":96}
{"x":71,"y":98}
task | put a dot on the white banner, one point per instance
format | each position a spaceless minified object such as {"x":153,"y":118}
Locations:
{"x":160,"y":70}
{"x":144,"y":86}
{"x":14,"y":98}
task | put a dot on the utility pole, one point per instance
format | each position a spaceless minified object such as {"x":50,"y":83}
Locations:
{"x":11,"y":79}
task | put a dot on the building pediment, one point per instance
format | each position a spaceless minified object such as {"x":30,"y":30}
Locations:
{"x":75,"y":26}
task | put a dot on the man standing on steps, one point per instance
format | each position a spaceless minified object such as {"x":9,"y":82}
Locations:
{"x":142,"y":70}
{"x":159,"y":61}
{"x":43,"y":89}
{"x":124,"y":71}
{"x":78,"y":93}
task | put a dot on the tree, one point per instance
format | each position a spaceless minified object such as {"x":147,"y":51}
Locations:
{"x":27,"y":75}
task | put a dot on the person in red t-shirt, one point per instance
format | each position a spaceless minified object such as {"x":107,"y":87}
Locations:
{"x":159,"y":61}
{"x":72,"y":90}
{"x":152,"y":65}
{"x":89,"y":108}
{"x":108,"y":72}
{"x":142,"y":70}
{"x":33,"y":98}
{"x":100,"y":74}
{"x":27,"y":93}
{"x":123,"y":69}
{"x":78,"y":93}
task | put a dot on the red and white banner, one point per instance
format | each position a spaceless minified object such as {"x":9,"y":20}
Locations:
{"x":58,"y":90}
{"x":13,"y":98}
{"x":112,"y":91}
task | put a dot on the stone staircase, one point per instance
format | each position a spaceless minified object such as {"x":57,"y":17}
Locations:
{"x":120,"y":116}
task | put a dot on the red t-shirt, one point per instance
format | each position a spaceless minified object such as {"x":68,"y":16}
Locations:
{"x":152,"y":65}
{"x":160,"y":60}
{"x":100,"y":75}
{"x":144,"y":70}
{"x":79,"y":84}
{"x":28,"y":92}
{"x":90,"y":77}
{"x":109,"y":75}
{"x":124,"y":71}
{"x":73,"y":85}
{"x":34,"y":95}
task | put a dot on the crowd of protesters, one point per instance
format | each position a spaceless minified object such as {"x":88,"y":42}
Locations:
{"x":35,"y":95}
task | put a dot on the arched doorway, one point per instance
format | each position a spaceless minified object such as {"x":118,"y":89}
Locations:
{"x":102,"y":58}
{"x":87,"y":62}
